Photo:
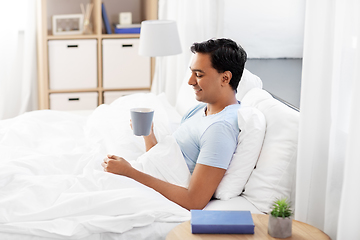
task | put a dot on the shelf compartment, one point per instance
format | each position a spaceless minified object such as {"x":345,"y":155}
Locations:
{"x":123,"y":67}
{"x":72,"y":64}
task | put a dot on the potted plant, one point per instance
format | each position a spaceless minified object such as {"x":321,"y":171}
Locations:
{"x":280,"y":223}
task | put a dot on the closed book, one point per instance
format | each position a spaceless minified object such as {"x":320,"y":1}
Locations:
{"x":136,"y":25}
{"x":105,"y":19}
{"x":126,"y":30}
{"x":222,"y":222}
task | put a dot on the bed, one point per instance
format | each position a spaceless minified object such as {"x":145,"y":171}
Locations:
{"x":53,"y":187}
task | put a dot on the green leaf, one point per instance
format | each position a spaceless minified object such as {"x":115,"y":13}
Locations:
{"x":281,"y":208}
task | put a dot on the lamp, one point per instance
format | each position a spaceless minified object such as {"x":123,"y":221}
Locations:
{"x":159,"y":38}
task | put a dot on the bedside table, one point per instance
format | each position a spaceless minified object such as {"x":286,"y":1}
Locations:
{"x":300,"y":230}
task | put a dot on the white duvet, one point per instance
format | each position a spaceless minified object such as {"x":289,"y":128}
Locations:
{"x":51,"y":181}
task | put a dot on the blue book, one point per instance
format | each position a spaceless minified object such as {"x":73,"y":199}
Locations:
{"x":105,"y":19}
{"x":222,"y":222}
{"x":127,"y":30}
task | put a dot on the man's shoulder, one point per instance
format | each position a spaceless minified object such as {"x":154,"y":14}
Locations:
{"x":192,"y":111}
{"x":226,"y":119}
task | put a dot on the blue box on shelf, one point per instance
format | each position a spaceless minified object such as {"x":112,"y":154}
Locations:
{"x":222,"y":222}
{"x":127,"y":30}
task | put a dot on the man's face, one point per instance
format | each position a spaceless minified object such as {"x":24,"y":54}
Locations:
{"x":205,"y":80}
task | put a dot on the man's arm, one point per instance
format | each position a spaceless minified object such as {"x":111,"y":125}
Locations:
{"x":150,"y":140}
{"x":203,"y":183}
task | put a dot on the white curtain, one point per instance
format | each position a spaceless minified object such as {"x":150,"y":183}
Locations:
{"x":197,"y":21}
{"x":17,"y":57}
{"x":328,"y":179}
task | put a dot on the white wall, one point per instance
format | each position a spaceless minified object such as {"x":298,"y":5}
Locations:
{"x":266,"y":28}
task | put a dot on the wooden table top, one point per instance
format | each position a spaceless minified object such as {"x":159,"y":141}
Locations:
{"x":300,"y":231}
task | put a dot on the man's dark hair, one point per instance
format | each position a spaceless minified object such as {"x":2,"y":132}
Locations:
{"x":225,"y":55}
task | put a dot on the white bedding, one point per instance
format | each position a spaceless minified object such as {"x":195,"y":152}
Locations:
{"x":52,"y":184}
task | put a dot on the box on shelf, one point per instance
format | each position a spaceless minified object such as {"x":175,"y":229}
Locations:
{"x":127,"y":29}
{"x":73,"y":101}
{"x":123,"y":67}
{"x":111,"y":96}
{"x":72,"y":64}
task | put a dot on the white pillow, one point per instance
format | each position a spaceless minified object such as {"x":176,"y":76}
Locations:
{"x":186,"y":97}
{"x":248,"y":81}
{"x":252,"y":125}
{"x":274,"y":174}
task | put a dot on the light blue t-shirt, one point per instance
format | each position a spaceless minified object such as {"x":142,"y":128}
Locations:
{"x":209,"y":140}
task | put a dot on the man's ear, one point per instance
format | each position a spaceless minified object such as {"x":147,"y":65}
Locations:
{"x":227,"y":75}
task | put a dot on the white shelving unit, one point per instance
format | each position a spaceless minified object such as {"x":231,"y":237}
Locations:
{"x":141,"y":10}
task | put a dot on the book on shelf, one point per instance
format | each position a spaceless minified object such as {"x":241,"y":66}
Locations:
{"x":105,"y":19}
{"x":221,"y":222}
{"x":135,"y":25}
{"x":127,"y":29}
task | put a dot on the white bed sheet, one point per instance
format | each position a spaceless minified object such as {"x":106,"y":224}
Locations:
{"x":52,"y":184}
{"x":154,"y":231}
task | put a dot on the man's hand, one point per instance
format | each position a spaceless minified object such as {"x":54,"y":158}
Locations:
{"x":150,"y":140}
{"x":117,"y":165}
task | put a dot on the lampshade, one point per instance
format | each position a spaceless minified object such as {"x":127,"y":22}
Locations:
{"x":159,"y":38}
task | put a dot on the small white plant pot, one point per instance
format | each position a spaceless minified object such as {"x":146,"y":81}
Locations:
{"x":279,"y":227}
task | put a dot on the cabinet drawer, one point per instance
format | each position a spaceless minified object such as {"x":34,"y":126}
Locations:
{"x":111,"y":96}
{"x":73,"y":101}
{"x":72,"y":64}
{"x":123,"y":67}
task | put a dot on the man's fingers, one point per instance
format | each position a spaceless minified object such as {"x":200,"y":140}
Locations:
{"x":110,"y":156}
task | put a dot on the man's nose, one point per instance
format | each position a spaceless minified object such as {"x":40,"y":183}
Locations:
{"x":192,"y":80}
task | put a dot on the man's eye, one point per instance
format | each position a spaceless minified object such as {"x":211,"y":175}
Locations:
{"x":198,"y":75}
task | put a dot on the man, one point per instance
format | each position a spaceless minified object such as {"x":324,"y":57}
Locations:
{"x":208,"y":133}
